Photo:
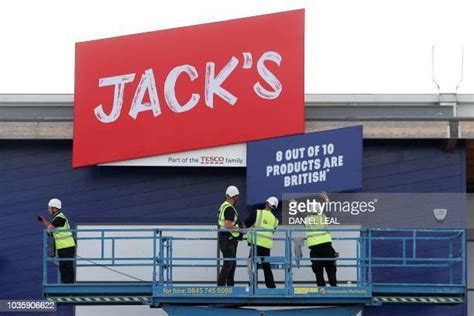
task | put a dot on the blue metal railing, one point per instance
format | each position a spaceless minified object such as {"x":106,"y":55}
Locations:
{"x":405,"y":253}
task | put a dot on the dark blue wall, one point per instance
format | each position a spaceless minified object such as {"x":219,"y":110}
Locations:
{"x":413,"y":166}
{"x":32,"y":172}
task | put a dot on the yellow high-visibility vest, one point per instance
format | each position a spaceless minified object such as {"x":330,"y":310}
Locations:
{"x":317,"y":230}
{"x":221,"y":218}
{"x":63,"y":239}
{"x":265,"y":219}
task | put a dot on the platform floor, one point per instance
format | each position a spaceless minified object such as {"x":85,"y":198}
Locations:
{"x":149,"y":294}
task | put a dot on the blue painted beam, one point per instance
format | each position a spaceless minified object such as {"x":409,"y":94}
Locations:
{"x":98,"y":288}
{"x":175,"y":310}
{"x":428,"y":289}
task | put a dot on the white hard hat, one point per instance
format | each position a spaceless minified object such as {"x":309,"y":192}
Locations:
{"x":55,"y":203}
{"x":273,"y":201}
{"x":231,"y":191}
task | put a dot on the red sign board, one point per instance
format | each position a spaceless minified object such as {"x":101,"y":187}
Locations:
{"x":189,"y":88}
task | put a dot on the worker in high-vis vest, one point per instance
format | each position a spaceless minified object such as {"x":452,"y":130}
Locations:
{"x":63,"y":239}
{"x":267,"y":222}
{"x":319,"y":241}
{"x":228,"y":238}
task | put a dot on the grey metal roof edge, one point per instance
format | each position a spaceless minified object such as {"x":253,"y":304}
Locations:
{"x":465,"y":98}
{"x":310,"y":98}
{"x":32,"y":99}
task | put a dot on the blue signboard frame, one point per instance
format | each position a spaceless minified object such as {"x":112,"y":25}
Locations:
{"x":308,"y":163}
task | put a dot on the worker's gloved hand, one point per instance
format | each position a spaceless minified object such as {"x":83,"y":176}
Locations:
{"x":40,"y":218}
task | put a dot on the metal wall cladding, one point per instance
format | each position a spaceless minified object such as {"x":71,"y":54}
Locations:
{"x":32,"y":172}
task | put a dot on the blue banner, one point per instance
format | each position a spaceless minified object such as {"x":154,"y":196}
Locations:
{"x":309,"y":163}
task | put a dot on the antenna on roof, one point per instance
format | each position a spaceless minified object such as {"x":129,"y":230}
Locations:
{"x":462,"y":69}
{"x":433,"y":68}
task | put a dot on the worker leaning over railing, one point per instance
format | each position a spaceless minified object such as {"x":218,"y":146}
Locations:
{"x":319,"y":241}
{"x":64,"y":242}
{"x":263,"y":219}
{"x":228,"y":218}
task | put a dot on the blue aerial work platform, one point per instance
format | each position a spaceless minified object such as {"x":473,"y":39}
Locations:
{"x":160,"y":289}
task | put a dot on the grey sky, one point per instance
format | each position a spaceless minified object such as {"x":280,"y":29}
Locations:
{"x":364,"y":46}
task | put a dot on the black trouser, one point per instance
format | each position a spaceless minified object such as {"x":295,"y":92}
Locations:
{"x":67,"y":267}
{"x":324,"y":250}
{"x":228,"y":247}
{"x":267,"y":269}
